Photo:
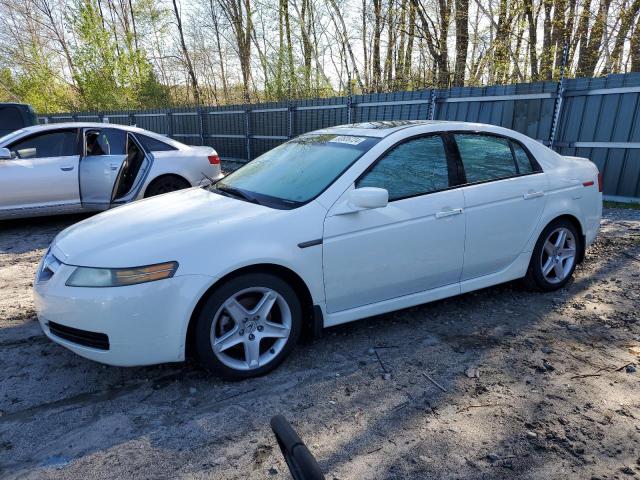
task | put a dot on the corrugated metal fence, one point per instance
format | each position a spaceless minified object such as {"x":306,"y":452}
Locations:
{"x":598,"y":118}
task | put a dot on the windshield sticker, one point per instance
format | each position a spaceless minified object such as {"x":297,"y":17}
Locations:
{"x":349,"y":140}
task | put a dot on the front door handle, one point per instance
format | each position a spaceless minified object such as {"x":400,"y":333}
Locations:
{"x":448,"y":212}
{"x":531,"y":194}
{"x":66,"y":168}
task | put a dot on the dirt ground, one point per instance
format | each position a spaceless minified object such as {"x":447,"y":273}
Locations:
{"x":501,"y":383}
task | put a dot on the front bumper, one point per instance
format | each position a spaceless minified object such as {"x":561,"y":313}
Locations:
{"x":145,"y":324}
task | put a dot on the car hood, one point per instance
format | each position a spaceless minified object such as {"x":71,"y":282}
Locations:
{"x":158,"y":229}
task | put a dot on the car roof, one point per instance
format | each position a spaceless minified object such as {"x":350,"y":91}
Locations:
{"x":385,"y":128}
{"x":128,"y":128}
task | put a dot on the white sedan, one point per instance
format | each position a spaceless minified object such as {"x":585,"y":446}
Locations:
{"x":334,"y":226}
{"x":74,"y":167}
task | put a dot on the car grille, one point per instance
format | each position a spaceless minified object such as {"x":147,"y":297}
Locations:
{"x":81,"y":337}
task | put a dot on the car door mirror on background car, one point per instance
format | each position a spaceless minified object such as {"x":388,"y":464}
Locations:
{"x":368,"y":197}
{"x":5,"y":154}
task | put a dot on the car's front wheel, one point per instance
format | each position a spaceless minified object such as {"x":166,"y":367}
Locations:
{"x":555,"y":256}
{"x":248,"y":326}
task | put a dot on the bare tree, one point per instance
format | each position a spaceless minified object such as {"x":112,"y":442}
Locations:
{"x":238,"y":13}
{"x":186,"y":56}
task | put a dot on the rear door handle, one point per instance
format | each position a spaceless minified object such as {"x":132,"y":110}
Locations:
{"x":66,"y":168}
{"x":448,"y":212}
{"x":114,"y":166}
{"x":530,"y":195}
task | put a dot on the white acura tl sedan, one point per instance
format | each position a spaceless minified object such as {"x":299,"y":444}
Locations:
{"x":334,"y":226}
{"x":74,"y":167}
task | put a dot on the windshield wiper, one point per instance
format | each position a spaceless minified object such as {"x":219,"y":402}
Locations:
{"x":211,"y":180}
{"x":236,"y":192}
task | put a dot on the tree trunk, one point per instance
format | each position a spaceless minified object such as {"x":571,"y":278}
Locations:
{"x":377,"y":31}
{"x":408,"y":54}
{"x":216,"y":31}
{"x":635,"y":47}
{"x":546,"y":57}
{"x":347,"y":43}
{"x":187,"y":57}
{"x":626,"y":22}
{"x":589,"y":54}
{"x":533,"y":38}
{"x":501,"y":44}
{"x":462,"y":41}
{"x":391,"y":41}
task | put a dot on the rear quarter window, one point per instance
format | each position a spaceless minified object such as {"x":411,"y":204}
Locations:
{"x":153,"y":145}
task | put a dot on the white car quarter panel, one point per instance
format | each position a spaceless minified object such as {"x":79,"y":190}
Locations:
{"x":190,"y":163}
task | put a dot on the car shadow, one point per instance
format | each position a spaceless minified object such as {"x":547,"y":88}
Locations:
{"x":27,"y":234}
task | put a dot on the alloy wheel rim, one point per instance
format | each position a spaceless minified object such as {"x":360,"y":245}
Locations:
{"x":250,"y":328}
{"x":558,"y":255}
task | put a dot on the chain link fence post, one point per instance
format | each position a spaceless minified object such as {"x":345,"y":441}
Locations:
{"x":557,"y":107}
{"x":247,"y":134}
{"x":200,"y":121}
{"x":169,"y":124}
{"x":432,"y":104}
{"x":290,"y":120}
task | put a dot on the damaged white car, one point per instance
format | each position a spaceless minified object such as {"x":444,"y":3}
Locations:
{"x":73,"y":167}
{"x":334,"y":226}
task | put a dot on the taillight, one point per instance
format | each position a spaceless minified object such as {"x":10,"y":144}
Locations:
{"x":214,"y":159}
{"x":599,"y":182}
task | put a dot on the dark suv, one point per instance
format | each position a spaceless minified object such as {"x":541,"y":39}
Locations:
{"x":14,"y":116}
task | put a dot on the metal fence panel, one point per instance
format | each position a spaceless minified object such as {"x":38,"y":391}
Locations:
{"x":598,"y":118}
{"x":604,"y":113}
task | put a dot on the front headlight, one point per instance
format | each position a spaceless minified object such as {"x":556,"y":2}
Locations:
{"x":118,"y":277}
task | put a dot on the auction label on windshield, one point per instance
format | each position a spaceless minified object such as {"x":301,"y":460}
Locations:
{"x":348,"y":139}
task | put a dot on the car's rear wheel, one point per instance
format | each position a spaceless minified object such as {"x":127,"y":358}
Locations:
{"x":555,"y":256}
{"x":166,"y":184}
{"x":248,"y":326}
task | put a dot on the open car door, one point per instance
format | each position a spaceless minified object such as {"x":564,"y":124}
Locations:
{"x":104,"y":156}
{"x":112,"y":169}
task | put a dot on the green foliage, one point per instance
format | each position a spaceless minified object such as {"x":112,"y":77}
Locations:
{"x":38,"y":85}
{"x":111,"y":72}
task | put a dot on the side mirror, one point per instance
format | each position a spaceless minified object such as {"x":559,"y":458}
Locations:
{"x":368,"y":197}
{"x":5,"y":154}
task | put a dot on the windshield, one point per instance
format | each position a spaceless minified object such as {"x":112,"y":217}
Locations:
{"x":295,"y":172}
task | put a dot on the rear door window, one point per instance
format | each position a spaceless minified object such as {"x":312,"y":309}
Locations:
{"x":59,"y":143}
{"x":106,"y":141}
{"x":485,"y":157}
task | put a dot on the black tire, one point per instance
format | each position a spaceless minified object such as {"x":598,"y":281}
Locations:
{"x":206,"y":316}
{"x":166,"y":184}
{"x":535,"y":278}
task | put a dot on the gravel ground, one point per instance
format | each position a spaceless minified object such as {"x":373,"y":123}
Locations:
{"x":500,"y":383}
